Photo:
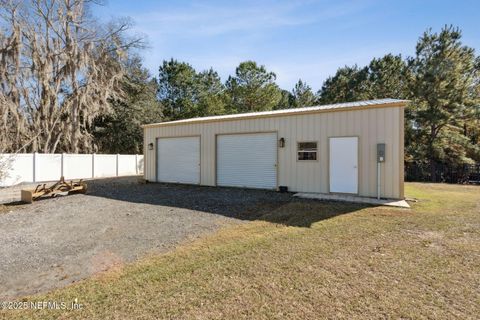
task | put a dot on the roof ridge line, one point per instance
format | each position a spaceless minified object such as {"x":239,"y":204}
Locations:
{"x":364,"y":104}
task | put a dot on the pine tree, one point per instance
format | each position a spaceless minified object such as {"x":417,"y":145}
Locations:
{"x":348,"y":84}
{"x":177,"y":83}
{"x":287,"y":100}
{"x":185,"y":93}
{"x":302,"y":95}
{"x":253,"y":88}
{"x":445,"y":98}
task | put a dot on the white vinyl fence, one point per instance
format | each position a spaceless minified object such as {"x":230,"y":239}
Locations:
{"x":40,"y":167}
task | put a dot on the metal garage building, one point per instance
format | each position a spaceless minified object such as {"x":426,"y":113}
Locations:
{"x":338,"y":148}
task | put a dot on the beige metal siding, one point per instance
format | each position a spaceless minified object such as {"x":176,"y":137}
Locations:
{"x":401,"y":155}
{"x":370,"y":125}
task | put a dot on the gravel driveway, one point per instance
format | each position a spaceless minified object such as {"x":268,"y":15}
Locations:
{"x":57,"y":241}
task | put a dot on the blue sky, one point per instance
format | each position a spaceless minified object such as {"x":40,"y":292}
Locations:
{"x":305,"y":39}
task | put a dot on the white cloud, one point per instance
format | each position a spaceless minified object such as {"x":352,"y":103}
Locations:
{"x":223,"y":35}
{"x":314,"y":69}
{"x":209,"y":20}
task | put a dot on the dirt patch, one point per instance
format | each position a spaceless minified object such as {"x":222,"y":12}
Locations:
{"x":3,"y":209}
{"x":54,"y":242}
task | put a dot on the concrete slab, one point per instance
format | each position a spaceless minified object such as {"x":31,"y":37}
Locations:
{"x":352,"y":198}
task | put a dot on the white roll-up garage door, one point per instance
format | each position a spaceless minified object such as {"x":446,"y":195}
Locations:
{"x":178,"y":160}
{"x":247,"y":160}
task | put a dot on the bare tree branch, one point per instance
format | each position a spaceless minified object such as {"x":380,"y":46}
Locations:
{"x":58,"y":68}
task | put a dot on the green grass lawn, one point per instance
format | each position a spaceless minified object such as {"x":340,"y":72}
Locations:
{"x":305,"y":260}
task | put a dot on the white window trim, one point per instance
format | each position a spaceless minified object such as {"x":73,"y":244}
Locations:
{"x":307,"y":150}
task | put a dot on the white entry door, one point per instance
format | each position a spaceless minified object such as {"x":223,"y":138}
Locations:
{"x":178,"y":160}
{"x":344,"y":164}
{"x":247,"y":160}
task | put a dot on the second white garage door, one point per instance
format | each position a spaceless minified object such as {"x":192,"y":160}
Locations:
{"x":178,"y":160}
{"x":247,"y":160}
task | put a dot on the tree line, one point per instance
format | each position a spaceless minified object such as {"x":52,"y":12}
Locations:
{"x":442,"y":82}
{"x":71,"y":84}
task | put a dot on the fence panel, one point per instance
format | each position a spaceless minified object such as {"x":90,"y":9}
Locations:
{"x":48,"y":167}
{"x":77,"y":166}
{"x":105,"y":165}
{"x":19,"y":168}
{"x":127,"y":165}
{"x":140,"y":163}
{"x":38,"y":167}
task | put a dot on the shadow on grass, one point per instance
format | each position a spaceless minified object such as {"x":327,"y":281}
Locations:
{"x":244,"y":204}
{"x":303,"y":213}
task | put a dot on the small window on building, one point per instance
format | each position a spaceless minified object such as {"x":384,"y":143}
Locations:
{"x":307,"y":151}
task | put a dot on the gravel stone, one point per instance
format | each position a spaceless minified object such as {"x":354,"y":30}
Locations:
{"x":56,"y":241}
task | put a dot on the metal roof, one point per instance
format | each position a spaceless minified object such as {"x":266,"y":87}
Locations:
{"x":322,"y":108}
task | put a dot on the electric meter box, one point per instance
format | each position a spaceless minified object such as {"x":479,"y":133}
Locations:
{"x":380,"y":152}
